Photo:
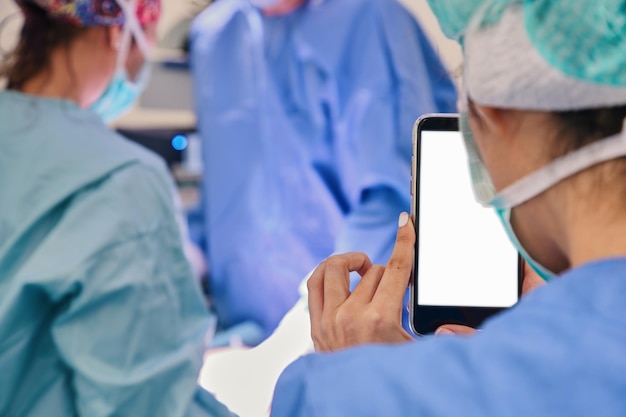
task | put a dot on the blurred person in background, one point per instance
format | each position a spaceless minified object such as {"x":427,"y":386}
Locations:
{"x":100,"y":314}
{"x":544,"y":121}
{"x":305,"y":109}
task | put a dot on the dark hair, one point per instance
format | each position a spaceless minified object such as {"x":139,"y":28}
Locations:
{"x":577,"y":128}
{"x":582,"y":127}
{"x":40,"y":36}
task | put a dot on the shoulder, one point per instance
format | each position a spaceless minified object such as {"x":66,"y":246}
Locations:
{"x":122,"y":159}
{"x":61,"y":153}
{"x":144,"y":158}
{"x":129,"y":209}
{"x":79,"y":139}
{"x":133,"y":175}
{"x":116,"y":184}
{"x":134,"y":199}
{"x":127,"y":212}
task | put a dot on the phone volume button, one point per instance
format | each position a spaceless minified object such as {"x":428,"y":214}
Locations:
{"x":412,"y":172}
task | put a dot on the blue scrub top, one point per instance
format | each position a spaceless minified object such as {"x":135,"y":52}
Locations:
{"x":306,"y":122}
{"x":99,"y":312}
{"x":560,"y":352}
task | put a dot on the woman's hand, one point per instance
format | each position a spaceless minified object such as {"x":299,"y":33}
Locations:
{"x":372,"y":313}
{"x":530,"y":282}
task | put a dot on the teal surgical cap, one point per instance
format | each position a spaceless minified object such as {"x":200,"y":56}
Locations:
{"x":581,"y":41}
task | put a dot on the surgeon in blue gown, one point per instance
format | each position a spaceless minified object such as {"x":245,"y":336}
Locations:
{"x":305,"y":110}
{"x":544,"y":124}
{"x":100,"y":314}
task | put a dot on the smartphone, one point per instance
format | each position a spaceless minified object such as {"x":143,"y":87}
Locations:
{"x":465,"y":270}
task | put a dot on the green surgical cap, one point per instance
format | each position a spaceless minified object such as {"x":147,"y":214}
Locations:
{"x":583,"y":39}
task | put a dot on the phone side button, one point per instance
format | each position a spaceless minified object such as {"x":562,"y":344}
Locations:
{"x":412,"y":172}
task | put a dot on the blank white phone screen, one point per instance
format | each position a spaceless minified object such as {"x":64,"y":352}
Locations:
{"x":465,"y":257}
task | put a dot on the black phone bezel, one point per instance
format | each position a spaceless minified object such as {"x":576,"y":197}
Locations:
{"x":426,"y":319}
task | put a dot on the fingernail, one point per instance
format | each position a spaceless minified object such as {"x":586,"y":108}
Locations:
{"x":443,"y":332}
{"x":403,"y":220}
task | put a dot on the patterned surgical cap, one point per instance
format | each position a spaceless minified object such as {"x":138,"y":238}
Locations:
{"x":96,"y":12}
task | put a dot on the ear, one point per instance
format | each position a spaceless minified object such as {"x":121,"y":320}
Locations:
{"x":114,"y":37}
{"x":500,"y":122}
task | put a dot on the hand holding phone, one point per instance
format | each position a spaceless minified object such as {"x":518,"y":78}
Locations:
{"x":372,"y":312}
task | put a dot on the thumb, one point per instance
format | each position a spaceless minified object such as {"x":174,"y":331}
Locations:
{"x":454,"y":329}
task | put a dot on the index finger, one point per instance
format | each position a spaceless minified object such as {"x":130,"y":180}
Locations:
{"x":395,"y":280}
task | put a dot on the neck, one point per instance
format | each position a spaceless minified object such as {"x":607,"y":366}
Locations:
{"x":585,"y":226}
{"x":597,"y":233}
{"x":69,"y":76}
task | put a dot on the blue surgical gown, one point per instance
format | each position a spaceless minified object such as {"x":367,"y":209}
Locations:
{"x":306,"y":123}
{"x":99,"y":313}
{"x":560,"y":352}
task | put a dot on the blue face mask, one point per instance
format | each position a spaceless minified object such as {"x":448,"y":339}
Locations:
{"x":536,"y":183}
{"x":505,"y":218}
{"x":121,"y":94}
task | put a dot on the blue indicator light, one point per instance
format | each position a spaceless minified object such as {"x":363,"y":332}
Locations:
{"x":180,"y":142}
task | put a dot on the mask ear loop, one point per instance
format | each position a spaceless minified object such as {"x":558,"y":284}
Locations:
{"x":131,"y":24}
{"x":562,"y":168}
{"x":124,"y":50}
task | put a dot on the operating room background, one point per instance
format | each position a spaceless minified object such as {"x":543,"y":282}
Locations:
{"x":164,"y":119}
{"x":166,"y":112}
{"x":167,"y":104}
